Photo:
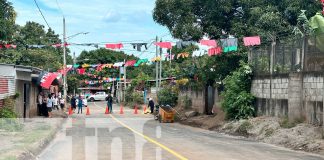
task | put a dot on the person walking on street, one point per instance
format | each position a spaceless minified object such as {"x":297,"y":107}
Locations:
{"x":151,"y":105}
{"x":73,"y":103}
{"x":80,"y":104}
{"x":62,"y":104}
{"x":55,"y":103}
{"x":110,"y":103}
{"x":49,"y":106}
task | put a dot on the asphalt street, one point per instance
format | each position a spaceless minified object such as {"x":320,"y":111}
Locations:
{"x":139,"y":136}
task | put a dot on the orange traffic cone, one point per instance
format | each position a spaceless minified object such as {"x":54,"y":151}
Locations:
{"x":135,"y":111}
{"x":70,"y":111}
{"x":144,"y":110}
{"x":88,"y":111}
{"x":107,"y":110}
{"x":121,"y":109}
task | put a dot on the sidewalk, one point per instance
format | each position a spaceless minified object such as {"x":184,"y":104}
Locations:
{"x":25,"y":138}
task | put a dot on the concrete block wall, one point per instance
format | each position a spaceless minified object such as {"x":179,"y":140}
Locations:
{"x":279,"y":85}
{"x":313,"y":87}
{"x":296,"y":95}
{"x":197,"y":99}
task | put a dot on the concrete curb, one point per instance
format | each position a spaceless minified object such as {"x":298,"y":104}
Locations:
{"x":34,"y":150}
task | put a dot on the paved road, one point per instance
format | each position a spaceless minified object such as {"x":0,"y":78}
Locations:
{"x":130,"y":136}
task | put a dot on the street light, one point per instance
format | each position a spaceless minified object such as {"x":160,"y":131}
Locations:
{"x":64,"y":58}
{"x":70,"y":37}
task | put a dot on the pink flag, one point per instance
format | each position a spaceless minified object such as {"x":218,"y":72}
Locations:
{"x":252,"y":41}
{"x":130,"y":63}
{"x":164,"y":45}
{"x":114,"y":46}
{"x":210,"y":43}
{"x":7,"y":46}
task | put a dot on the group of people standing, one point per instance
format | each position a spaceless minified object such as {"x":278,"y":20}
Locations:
{"x":47,"y":103}
{"x":80,"y":102}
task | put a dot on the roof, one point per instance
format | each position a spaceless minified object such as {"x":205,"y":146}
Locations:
{"x":23,"y":68}
{"x":163,"y":79}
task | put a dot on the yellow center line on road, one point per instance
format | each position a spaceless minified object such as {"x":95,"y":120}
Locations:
{"x":148,"y":138}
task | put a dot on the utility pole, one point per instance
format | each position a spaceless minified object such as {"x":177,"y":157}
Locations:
{"x":74,"y":62}
{"x":160,"y":78}
{"x":64,"y":63}
{"x":124,"y":80}
{"x":157,"y":68}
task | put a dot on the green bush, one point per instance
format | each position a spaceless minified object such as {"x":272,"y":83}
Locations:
{"x":168,"y":96}
{"x":238,"y":101}
{"x":133,"y":98}
{"x":7,"y":111}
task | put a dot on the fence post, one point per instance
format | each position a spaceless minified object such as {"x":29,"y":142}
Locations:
{"x":302,"y":65}
{"x":272,"y":60}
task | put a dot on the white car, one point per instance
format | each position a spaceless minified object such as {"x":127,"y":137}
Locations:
{"x":99,"y":96}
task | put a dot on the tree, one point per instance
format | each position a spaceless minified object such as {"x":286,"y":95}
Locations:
{"x":191,"y":19}
{"x":7,"y":21}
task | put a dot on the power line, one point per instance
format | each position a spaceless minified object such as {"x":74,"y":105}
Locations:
{"x":58,"y":5}
{"x":41,"y":13}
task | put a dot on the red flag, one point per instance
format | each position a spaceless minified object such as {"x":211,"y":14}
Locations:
{"x":47,"y":80}
{"x":164,"y":45}
{"x":81,"y":71}
{"x":215,"y":51}
{"x":114,"y":46}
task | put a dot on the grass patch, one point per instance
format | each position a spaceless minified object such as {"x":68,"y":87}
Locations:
{"x":33,"y":137}
{"x":8,"y":158}
{"x":285,"y":123}
{"x":11,"y":125}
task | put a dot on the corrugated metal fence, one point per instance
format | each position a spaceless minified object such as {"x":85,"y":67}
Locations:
{"x":7,"y":88}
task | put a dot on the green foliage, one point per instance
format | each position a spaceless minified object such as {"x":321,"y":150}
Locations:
{"x":187,"y":102}
{"x":238,"y":100}
{"x":7,"y":20}
{"x":285,"y":123}
{"x":7,"y":111}
{"x":191,"y":19}
{"x":134,"y":98}
{"x":168,"y":96}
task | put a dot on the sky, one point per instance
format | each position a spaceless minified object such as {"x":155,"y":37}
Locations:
{"x":106,"y":21}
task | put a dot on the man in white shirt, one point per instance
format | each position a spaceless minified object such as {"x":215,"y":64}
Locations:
{"x":85,"y":102}
{"x":55,"y":102}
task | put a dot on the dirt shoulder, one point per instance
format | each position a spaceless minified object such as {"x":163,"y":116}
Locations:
{"x":25,"y":138}
{"x":272,"y":130}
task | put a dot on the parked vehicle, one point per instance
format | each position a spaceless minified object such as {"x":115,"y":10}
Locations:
{"x":99,"y":96}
